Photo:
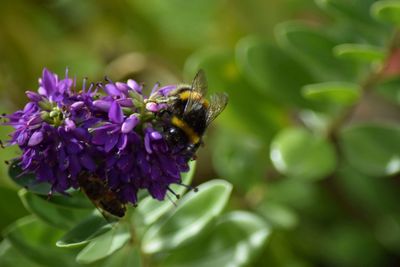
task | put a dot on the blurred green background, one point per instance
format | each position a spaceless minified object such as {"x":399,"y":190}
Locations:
{"x":310,"y":139}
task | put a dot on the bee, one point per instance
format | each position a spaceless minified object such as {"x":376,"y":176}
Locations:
{"x":190,"y":113}
{"x":101,"y":196}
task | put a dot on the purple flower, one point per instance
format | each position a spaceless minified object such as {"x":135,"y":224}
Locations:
{"x":67,"y":135}
{"x":52,"y":132}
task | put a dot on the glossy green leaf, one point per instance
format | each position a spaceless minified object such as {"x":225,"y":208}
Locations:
{"x":359,"y":52}
{"x":75,"y":199}
{"x":194,"y":213}
{"x":387,"y":11}
{"x":105,"y":245}
{"x":128,"y":256}
{"x":278,"y":215}
{"x":234,"y":241}
{"x":298,"y":153}
{"x":372,"y":149}
{"x":332,"y":92}
{"x":27,"y":180}
{"x":151,"y":209}
{"x":268,"y":68}
{"x":36,"y":241}
{"x":52,"y":214}
{"x":314,"y":48}
{"x":318,"y":122}
{"x":85,"y":231}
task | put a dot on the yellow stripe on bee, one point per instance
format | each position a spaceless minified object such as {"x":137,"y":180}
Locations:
{"x":193,"y":136}
{"x":194,"y":95}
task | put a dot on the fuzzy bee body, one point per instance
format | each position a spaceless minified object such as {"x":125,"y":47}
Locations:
{"x":191,"y":113}
{"x":101,"y":196}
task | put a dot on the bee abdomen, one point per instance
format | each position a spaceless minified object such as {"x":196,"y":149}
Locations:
{"x":191,"y":134}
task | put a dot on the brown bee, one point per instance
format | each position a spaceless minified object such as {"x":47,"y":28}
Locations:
{"x":101,"y":196}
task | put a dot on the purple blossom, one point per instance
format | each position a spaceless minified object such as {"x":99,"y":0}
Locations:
{"x":65,"y":134}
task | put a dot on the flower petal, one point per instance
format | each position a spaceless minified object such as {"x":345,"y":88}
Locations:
{"x":111,"y":142}
{"x":129,"y":123}
{"x":115,"y":113}
{"x":49,"y":82}
{"x":35,"y":139}
{"x":112,"y":90}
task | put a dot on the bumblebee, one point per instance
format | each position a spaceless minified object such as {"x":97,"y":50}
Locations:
{"x":101,"y":196}
{"x":190,"y":113}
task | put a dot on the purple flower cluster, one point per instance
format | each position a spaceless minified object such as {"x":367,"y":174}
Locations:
{"x":111,"y":131}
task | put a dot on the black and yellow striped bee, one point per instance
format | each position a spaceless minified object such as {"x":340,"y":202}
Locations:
{"x":190,"y":113}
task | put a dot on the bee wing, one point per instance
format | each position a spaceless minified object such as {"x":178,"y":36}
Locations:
{"x":199,"y":87}
{"x":217,"y":104}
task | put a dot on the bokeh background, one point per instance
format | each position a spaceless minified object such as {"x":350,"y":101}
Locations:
{"x":321,"y":168}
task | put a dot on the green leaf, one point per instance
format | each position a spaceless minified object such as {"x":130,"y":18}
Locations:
{"x":387,"y":11}
{"x":376,"y":197}
{"x":35,"y":241}
{"x":151,"y":210}
{"x":105,"y":245}
{"x":52,"y":214}
{"x":360,"y":52}
{"x":355,"y":10}
{"x":128,"y":256}
{"x":353,"y":19}
{"x":194,"y":213}
{"x":278,"y":215}
{"x":314,"y":48}
{"x":244,"y":156}
{"x":332,"y":92}
{"x":268,"y":67}
{"x":85,"y":231}
{"x":345,"y":241}
{"x":11,"y":257}
{"x":27,"y":180}
{"x":75,"y":199}
{"x":234,"y":241}
{"x":318,"y":122}
{"x":298,"y":153}
{"x":372,"y":149}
